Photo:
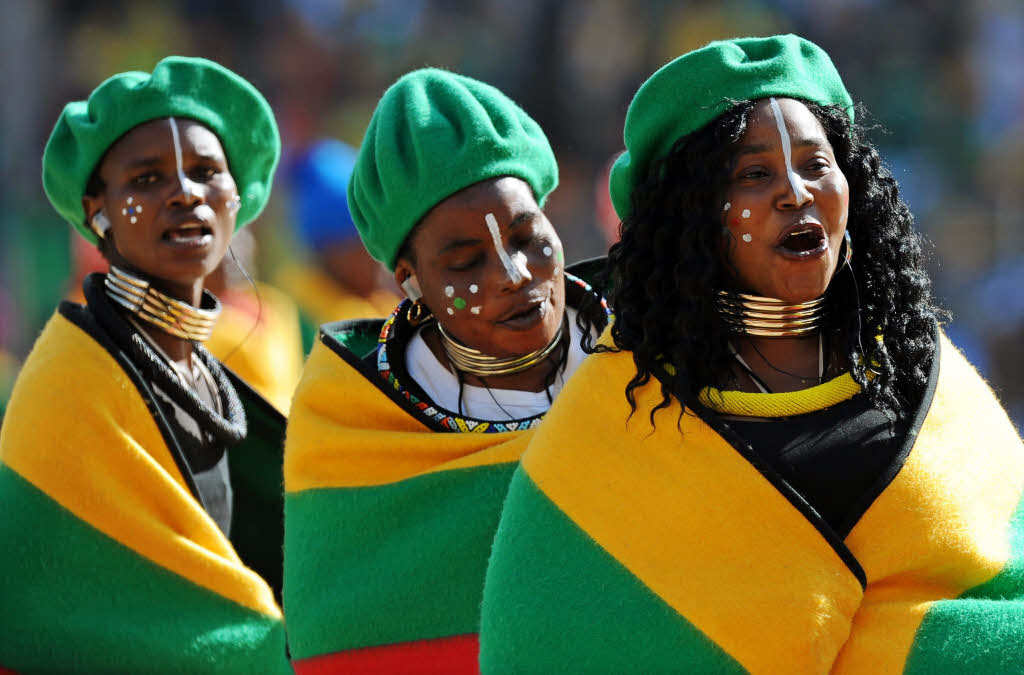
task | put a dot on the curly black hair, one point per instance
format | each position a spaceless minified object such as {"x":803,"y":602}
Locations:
{"x":667,"y":268}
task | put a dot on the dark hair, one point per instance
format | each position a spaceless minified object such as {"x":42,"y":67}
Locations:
{"x":668,"y":267}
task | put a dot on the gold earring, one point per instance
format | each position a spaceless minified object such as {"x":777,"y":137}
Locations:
{"x":418,"y":313}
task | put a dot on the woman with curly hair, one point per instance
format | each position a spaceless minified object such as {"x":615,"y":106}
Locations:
{"x":139,"y":478}
{"x":778,"y":462}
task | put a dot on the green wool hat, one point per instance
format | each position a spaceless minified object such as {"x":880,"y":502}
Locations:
{"x":434,"y":133}
{"x":179,"y":86}
{"x":694,"y":89}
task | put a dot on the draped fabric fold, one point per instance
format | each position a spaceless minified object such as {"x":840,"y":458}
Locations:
{"x":110,"y":564}
{"x":388,"y":522}
{"x":623,"y":548}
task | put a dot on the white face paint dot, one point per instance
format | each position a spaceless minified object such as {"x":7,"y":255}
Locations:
{"x":449,"y":291}
{"x":134,"y":220}
{"x":746,"y":213}
{"x":124,"y":212}
{"x":473,"y":288}
{"x":747,"y":238}
{"x":475,"y":310}
{"x":547,"y":251}
{"x":130,"y":199}
{"x":138,"y":209}
{"x":451,"y":311}
{"x":727,"y":206}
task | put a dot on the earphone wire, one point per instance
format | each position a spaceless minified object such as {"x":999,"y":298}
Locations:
{"x":259,"y":305}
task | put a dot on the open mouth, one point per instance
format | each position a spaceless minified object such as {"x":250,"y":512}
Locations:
{"x":189,"y":234}
{"x":803,"y":241}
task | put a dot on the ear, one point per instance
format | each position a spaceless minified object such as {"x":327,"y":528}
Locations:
{"x":92,"y":204}
{"x":405,"y":277}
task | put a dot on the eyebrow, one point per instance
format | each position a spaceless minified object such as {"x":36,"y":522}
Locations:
{"x":456,"y":244}
{"x":143,"y":162}
{"x":758,"y":149}
{"x":459,"y":243}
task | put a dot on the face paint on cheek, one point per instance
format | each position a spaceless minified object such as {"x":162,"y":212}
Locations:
{"x":746,"y":213}
{"x":787,"y":152}
{"x":511,"y":270}
{"x":459,"y":303}
{"x":131,"y":211}
{"x":476,"y":309}
{"x":727,"y":206}
{"x":186,"y":188}
{"x":747,"y":238}
{"x":473,"y":288}
{"x":449,"y":291}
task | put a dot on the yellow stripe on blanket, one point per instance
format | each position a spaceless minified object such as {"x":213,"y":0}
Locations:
{"x":760,"y":581}
{"x":117,"y":474}
{"x":345,"y":432}
{"x":938,"y":543}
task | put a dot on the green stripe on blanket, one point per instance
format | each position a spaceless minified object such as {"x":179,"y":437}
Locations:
{"x":378,"y":565}
{"x":626,"y":626}
{"x":95,"y":606}
{"x":982,"y":631}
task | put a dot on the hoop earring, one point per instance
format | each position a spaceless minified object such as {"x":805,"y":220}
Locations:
{"x":418,"y":313}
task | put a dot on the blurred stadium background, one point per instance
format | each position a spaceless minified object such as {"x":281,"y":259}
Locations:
{"x":944,"y":81}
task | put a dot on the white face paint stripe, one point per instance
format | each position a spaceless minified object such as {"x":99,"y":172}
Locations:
{"x":510,"y":269}
{"x":787,"y":151}
{"x":186,"y":190}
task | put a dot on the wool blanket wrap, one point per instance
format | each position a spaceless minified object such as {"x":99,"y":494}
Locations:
{"x":623,"y":548}
{"x":390,"y":510}
{"x":109,"y":563}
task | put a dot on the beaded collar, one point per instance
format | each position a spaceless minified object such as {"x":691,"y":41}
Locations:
{"x":394,"y":334}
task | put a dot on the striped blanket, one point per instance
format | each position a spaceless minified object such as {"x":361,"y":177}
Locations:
{"x":109,"y":563}
{"x":627,"y":549}
{"x":390,"y":510}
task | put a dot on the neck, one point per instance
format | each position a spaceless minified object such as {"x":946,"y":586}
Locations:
{"x":782,"y":364}
{"x":179,"y":350}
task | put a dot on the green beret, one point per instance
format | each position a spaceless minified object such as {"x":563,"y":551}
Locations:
{"x":434,"y":133}
{"x":694,"y":89}
{"x":179,"y":86}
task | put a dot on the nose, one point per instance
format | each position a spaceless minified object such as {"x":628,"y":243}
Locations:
{"x":794,"y":194}
{"x":187,"y":193}
{"x":515,"y":272}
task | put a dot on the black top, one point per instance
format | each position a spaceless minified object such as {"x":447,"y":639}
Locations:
{"x":201,"y":433}
{"x":832,"y":457}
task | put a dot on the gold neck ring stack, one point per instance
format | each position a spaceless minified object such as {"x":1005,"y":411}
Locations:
{"x":172,"y":316}
{"x":759,"y":316}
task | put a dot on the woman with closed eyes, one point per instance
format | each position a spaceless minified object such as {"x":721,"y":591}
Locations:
{"x":404,"y":431}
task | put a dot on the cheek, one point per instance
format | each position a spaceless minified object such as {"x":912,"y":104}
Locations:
{"x":460,"y":299}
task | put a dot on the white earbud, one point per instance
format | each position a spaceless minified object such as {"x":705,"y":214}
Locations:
{"x":100,"y":224}
{"x":412,"y":288}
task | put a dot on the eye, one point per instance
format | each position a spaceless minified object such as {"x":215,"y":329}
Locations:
{"x":147,"y":178}
{"x":464,"y":265}
{"x":203,"y":173}
{"x":818,"y":165}
{"x":751,"y":173}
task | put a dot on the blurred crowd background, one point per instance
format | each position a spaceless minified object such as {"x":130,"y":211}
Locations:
{"x":944,"y":82}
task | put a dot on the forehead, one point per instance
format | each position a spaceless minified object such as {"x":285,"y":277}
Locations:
{"x":153,"y":139}
{"x":462,"y":213}
{"x":801,"y":124}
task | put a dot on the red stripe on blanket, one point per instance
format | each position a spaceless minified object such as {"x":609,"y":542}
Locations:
{"x":457,"y":654}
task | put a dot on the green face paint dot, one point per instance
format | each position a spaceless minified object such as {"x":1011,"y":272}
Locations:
{"x":459,"y":303}
{"x":561,"y":256}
